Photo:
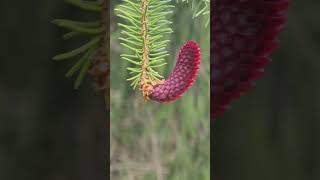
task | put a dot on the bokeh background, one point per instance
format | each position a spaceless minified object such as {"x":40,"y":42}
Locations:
{"x":161,"y":141}
{"x":48,"y":131}
{"x":273,"y":132}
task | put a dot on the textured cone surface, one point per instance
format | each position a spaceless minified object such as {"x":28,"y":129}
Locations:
{"x":182,"y":76}
{"x":243,"y":34}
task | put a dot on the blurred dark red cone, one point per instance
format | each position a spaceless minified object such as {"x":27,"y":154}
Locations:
{"x":243,"y":34}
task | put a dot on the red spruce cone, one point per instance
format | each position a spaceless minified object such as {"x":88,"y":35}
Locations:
{"x":182,"y":76}
{"x":243,"y":34}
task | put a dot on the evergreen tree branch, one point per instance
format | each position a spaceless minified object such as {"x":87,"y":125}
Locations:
{"x":94,"y":57}
{"x":144,"y":35}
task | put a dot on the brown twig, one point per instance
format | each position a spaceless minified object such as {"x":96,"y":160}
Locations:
{"x":101,"y":69}
{"x":146,"y":84}
{"x":106,"y":47}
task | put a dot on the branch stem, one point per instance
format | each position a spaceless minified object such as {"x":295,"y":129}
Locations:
{"x":105,"y":48}
{"x":145,"y":81}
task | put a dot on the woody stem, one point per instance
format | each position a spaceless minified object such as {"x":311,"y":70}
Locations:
{"x":105,"y":47}
{"x":145,"y":37}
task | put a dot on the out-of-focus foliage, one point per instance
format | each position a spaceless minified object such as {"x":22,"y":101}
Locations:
{"x":273,"y":132}
{"x":161,"y":141}
{"x":93,"y":30}
{"x":199,"y":8}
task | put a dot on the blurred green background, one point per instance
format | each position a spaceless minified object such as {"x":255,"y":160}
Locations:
{"x":161,"y":141}
{"x":273,"y":132}
{"x":48,"y":131}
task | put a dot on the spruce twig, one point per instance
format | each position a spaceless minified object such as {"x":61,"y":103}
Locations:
{"x":94,"y":55}
{"x":144,"y":34}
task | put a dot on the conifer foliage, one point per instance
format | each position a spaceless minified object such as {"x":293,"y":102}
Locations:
{"x":92,"y":56}
{"x":144,"y":33}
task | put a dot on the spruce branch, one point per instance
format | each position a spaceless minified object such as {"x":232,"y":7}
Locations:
{"x":144,"y":32}
{"x":94,"y":55}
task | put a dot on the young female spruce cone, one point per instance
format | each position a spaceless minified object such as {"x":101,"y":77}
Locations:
{"x":182,"y":76}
